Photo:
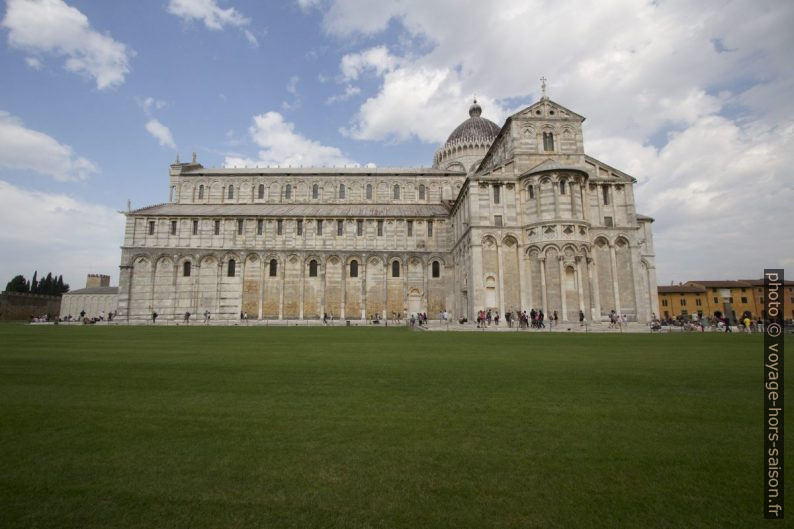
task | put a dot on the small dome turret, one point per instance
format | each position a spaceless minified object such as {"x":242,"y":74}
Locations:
{"x":475,"y":110}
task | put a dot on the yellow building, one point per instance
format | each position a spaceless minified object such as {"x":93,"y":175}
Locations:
{"x":681,"y":300}
{"x":731,"y":297}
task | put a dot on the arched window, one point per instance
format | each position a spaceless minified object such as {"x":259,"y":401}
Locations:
{"x":436,"y":269}
{"x":421,"y":191}
{"x":231,"y":192}
{"x":341,"y":190}
{"x":548,"y":141}
{"x":369,"y":191}
{"x":562,"y":187}
{"x":396,"y":192}
{"x":201,"y":192}
{"x":315,"y":191}
{"x":288,"y":191}
{"x":353,"y":268}
{"x":531,"y":190}
{"x":186,"y":269}
{"x":232,"y":268}
{"x":273,"y":268}
{"x":312,"y":268}
{"x":261,"y":192}
{"x":395,"y":269}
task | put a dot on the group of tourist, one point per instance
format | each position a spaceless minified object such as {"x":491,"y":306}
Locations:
{"x":535,"y":319}
{"x":719,"y":322}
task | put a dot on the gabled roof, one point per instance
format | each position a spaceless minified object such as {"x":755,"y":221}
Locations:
{"x":620,"y":173}
{"x":530,"y":109}
{"x":552,"y":165}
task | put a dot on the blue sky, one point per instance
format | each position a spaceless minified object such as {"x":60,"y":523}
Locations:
{"x":98,"y":97}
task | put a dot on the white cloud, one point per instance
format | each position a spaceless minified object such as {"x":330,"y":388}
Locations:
{"x":426,"y":103}
{"x":281,"y":145}
{"x":292,"y":89}
{"x":81,"y":237}
{"x":150,"y":103}
{"x":706,"y":131}
{"x":720,"y":195}
{"x":209,"y":12}
{"x":213,"y":16}
{"x":53,"y":27}
{"x":34,"y":62}
{"x":350,"y":91}
{"x":252,"y":40}
{"x":377,"y":59}
{"x":306,"y":5}
{"x":22,"y":148}
{"x":161,"y":133}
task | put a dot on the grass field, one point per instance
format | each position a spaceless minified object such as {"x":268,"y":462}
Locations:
{"x":377,"y":428}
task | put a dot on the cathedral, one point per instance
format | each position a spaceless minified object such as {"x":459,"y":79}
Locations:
{"x":507,"y":218}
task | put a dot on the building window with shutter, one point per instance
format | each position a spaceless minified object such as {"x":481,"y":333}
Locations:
{"x":369,"y":191}
{"x":288,"y":191}
{"x":231,"y":193}
{"x":186,"y":269}
{"x":429,"y":228}
{"x":195,"y":227}
{"x":497,"y":221}
{"x":341,"y":190}
{"x":260,"y":224}
{"x":217,"y":227}
{"x":380,"y":228}
{"x":232,"y":268}
{"x":261,"y":192}
{"x":201,"y":192}
{"x":436,"y":269}
{"x":279,"y":227}
{"x":395,"y":269}
{"x":340,"y":227}
{"x":239,"y":226}
{"x":497,"y":192}
{"x":421,"y":191}
{"x":151,"y":227}
{"x":608,"y":222}
{"x":273,"y":268}
{"x":359,"y":227}
{"x":315,"y":191}
{"x":605,"y":194}
{"x":353,"y":268}
{"x":300,"y":227}
{"x":173,"y":227}
{"x":410,"y":227}
{"x":396,"y":192}
{"x":319,"y":227}
{"x":312,"y":268}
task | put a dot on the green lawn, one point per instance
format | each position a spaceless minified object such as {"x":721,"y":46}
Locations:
{"x":363,"y":428}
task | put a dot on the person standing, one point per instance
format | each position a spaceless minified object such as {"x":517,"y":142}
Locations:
{"x":187,"y":317}
{"x":581,"y":318}
{"x":154,"y":317}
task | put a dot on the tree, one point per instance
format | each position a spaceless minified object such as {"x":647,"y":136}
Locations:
{"x":18,"y":284}
{"x":47,"y":287}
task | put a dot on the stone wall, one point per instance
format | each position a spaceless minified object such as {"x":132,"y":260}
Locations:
{"x":19,"y":306}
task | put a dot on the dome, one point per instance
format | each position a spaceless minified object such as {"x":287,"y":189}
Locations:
{"x":475,"y":128}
